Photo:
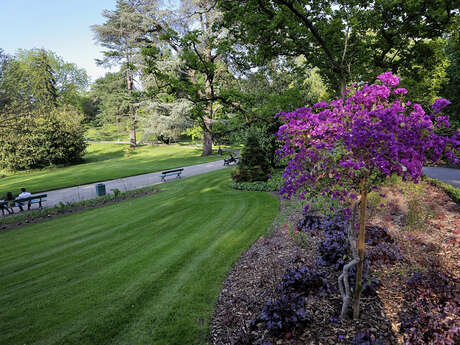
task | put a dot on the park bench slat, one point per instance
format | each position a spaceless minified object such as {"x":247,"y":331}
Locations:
{"x":177,"y":172}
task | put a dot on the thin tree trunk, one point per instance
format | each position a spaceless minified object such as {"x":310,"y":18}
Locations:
{"x":132,"y":115}
{"x":207,"y":139}
{"x":362,"y":234}
{"x":343,"y":86}
{"x":132,"y":127}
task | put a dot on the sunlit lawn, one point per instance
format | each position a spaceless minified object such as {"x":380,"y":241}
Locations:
{"x":145,"y":271}
{"x":105,"y":162}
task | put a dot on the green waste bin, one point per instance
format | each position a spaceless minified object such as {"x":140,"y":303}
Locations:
{"x":100,"y":189}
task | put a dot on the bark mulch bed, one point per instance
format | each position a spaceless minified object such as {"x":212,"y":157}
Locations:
{"x":37,"y":216}
{"x":430,"y":243}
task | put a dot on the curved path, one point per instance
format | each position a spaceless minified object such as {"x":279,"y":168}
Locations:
{"x":86,"y":192}
{"x":448,"y":175}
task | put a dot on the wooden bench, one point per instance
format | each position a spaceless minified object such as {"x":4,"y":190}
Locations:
{"x":33,"y":199}
{"x":171,"y":172}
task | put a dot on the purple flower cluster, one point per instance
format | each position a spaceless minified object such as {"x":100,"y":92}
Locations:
{"x":370,"y":131}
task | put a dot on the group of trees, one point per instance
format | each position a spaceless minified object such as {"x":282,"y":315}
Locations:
{"x":223,"y":66}
{"x":40,"y":120}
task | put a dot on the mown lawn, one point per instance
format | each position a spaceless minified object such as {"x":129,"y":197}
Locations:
{"x":144,"y":271}
{"x":104,"y":162}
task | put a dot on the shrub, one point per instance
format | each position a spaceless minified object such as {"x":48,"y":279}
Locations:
{"x":43,"y":139}
{"x":454,"y":193}
{"x":376,"y":235}
{"x":385,"y":254}
{"x":333,"y":251}
{"x":310,"y":223}
{"x":253,"y":164}
{"x":305,"y":280}
{"x":284,"y":313}
{"x":271,"y":185}
{"x":432,"y":311}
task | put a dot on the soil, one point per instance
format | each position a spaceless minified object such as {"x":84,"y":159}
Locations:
{"x":57,"y":212}
{"x":431,"y":239}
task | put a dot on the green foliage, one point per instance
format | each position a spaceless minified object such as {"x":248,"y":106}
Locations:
{"x":453,"y":192}
{"x":44,"y":139}
{"x":347,"y":40}
{"x":165,"y":121}
{"x":271,"y":185}
{"x":451,"y":90}
{"x":253,"y":164}
{"x":39,"y":126}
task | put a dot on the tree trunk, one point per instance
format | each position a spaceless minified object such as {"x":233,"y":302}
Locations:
{"x":132,"y":116}
{"x":362,"y":234}
{"x":207,"y":143}
{"x":343,"y":86}
{"x":132,"y":129}
{"x":207,"y":130}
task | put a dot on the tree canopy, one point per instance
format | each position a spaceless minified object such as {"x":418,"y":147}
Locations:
{"x":346,"y":40}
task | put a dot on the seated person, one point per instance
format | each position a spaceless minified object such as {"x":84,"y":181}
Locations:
{"x":24,"y":194}
{"x":9,"y":198}
{"x":4,"y":207}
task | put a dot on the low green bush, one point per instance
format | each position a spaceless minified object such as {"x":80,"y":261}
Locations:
{"x":453,"y":192}
{"x":271,"y":185}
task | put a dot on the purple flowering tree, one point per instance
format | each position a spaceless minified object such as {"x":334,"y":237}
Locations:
{"x":342,"y":149}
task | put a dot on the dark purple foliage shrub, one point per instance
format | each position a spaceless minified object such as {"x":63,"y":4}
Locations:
{"x":333,"y":251}
{"x":305,"y":280}
{"x":314,"y":223}
{"x":385,"y":254}
{"x":284,"y":313}
{"x":376,"y":235}
{"x":370,"y":283}
{"x":432,"y":309}
{"x":366,"y":338}
{"x":310,"y":223}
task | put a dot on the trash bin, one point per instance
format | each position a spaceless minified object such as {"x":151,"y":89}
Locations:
{"x":100,"y":189}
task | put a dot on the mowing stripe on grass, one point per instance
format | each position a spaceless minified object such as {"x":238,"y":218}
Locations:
{"x":143,"y":271}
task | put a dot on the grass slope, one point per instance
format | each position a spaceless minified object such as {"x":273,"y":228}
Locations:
{"x":144,"y":271}
{"x":104,"y":162}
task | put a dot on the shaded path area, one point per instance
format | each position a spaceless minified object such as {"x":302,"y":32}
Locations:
{"x":448,"y":175}
{"x":86,"y":192}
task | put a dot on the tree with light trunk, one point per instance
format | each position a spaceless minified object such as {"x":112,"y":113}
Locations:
{"x":203,"y":76}
{"x":342,"y":149}
{"x":132,"y":22}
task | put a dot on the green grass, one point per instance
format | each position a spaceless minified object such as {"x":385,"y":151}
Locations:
{"x":144,"y":271}
{"x":110,"y":132}
{"x":104,"y":162}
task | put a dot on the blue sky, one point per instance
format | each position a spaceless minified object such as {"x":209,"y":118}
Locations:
{"x":58,"y":25}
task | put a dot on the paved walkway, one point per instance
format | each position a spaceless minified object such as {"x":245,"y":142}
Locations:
{"x":447,"y":175}
{"x":86,"y":192}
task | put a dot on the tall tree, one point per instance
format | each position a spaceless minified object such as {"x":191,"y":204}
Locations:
{"x":125,"y":28}
{"x":347,"y":40}
{"x":203,"y":76}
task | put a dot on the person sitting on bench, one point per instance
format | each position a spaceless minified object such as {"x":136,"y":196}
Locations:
{"x":9,"y":198}
{"x":4,"y":205}
{"x":24,"y":194}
